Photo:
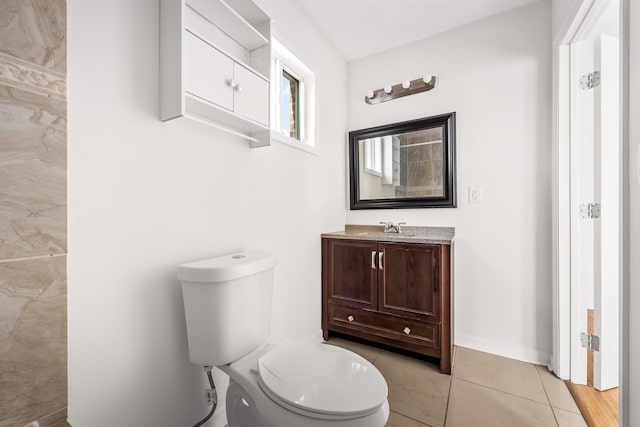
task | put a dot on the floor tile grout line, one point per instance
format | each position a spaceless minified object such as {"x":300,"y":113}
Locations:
{"x":548,"y":399}
{"x":558,"y":407}
{"x":453,"y":365}
{"x":411,"y":418}
{"x":501,"y":391}
{"x":446,"y":409}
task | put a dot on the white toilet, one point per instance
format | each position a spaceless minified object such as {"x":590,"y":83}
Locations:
{"x":301,"y":383}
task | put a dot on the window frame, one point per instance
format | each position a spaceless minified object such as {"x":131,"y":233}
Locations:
{"x":283,"y":60}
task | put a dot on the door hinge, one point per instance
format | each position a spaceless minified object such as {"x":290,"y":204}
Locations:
{"x":590,"y":341}
{"x":589,"y":81}
{"x":590,"y":210}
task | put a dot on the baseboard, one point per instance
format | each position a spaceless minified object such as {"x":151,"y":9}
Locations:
{"x":503,"y":349}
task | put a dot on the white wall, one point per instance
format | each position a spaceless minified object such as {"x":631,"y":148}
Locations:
{"x":146,"y":196}
{"x":496,"y":75}
{"x":563,"y":12}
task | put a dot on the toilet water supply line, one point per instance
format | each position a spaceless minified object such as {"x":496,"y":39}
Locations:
{"x":211,"y":396}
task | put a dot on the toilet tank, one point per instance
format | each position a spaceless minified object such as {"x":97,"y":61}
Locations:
{"x":227,"y":305}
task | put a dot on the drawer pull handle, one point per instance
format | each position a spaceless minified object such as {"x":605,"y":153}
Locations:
{"x":351,"y":318}
{"x":380,"y":258}
{"x":373,"y":260}
{"x":406,"y":330}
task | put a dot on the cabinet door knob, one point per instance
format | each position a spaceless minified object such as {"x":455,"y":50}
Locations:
{"x":234,"y":85}
{"x":406,"y":330}
{"x":351,"y":318}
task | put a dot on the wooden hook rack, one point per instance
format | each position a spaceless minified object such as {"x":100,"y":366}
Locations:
{"x":398,"y":90}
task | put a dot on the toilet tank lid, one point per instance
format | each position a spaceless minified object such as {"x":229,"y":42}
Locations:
{"x":227,"y":267}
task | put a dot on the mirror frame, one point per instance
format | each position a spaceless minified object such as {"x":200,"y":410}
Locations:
{"x":447,"y":200}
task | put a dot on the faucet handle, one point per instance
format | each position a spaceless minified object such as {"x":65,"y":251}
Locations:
{"x":387,"y":225}
{"x":400,"y":224}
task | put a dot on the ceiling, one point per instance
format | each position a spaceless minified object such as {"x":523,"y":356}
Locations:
{"x":358,"y":28}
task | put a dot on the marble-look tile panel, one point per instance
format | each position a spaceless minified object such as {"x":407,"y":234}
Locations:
{"x":57,"y":419}
{"x":436,"y":151}
{"x":33,"y":78}
{"x":35,"y":31}
{"x":33,"y":340}
{"x":33,"y":232}
{"x":33,"y":164}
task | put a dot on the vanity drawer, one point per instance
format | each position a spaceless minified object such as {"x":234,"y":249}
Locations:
{"x":395,"y":327}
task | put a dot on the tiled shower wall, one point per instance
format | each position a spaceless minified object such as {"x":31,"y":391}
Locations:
{"x":33,"y":205}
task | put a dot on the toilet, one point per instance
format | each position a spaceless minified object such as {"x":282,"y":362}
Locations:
{"x":296,"y":383}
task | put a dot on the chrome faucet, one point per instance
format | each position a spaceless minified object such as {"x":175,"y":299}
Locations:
{"x":390,"y":227}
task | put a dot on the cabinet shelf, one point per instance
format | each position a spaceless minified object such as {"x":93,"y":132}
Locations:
{"x":226,"y":18}
{"x":209,"y":111}
{"x":231,"y":55}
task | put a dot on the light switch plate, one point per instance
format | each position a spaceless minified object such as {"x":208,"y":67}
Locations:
{"x":475,"y":194}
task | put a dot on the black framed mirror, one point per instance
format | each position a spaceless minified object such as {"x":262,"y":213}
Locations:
{"x":404,"y":165}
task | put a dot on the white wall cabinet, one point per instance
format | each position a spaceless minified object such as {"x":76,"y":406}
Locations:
{"x":215,"y":65}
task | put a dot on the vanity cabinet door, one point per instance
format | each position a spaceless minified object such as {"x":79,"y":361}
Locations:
{"x":409,"y":280}
{"x":350,"y":271}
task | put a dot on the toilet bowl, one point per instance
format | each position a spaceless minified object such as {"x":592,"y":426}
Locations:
{"x":296,"y":383}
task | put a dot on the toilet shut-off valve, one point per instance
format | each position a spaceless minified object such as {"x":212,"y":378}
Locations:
{"x":211,"y":396}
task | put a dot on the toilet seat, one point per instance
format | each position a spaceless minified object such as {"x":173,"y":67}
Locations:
{"x":321,"y":381}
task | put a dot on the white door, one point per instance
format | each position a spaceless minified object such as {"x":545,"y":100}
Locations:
{"x":607,"y":168}
{"x":595,"y":200}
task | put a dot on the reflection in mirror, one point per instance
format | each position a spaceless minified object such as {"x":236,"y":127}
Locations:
{"x":409,"y":164}
{"x":402,"y":165}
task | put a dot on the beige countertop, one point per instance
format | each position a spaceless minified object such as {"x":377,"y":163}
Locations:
{"x":409,"y":234}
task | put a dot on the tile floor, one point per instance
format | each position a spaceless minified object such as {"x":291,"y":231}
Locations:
{"x":484,"y":391}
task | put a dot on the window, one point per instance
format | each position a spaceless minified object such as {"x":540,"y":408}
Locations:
{"x":380,"y":154}
{"x":293,"y":95}
{"x":373,"y":156}
{"x":290,"y":104}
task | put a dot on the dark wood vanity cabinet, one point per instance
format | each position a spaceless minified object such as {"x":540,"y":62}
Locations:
{"x":394,"y":293}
